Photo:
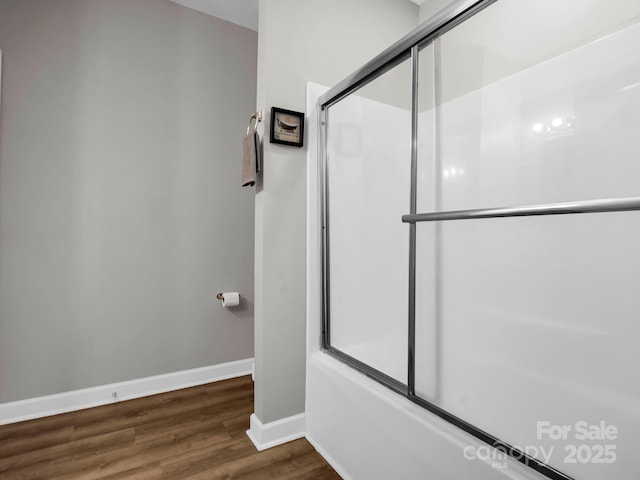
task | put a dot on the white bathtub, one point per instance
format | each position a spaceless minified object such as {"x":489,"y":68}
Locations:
{"x":367,"y":432}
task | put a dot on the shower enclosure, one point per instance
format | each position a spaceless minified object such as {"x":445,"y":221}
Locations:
{"x":480,"y":185}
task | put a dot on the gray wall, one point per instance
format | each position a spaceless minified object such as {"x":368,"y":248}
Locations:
{"x":322,"y":42}
{"x":121,"y":211}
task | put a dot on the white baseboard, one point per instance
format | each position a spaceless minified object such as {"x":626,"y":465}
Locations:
{"x":92,"y":397}
{"x":276,"y":433}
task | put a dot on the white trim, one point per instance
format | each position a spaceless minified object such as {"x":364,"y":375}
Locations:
{"x":92,"y":397}
{"x":276,"y":433}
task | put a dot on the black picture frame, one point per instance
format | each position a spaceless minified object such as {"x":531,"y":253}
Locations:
{"x":287,"y":127}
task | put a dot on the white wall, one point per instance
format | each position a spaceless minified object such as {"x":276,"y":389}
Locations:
{"x":121,"y":213}
{"x":299,"y":42}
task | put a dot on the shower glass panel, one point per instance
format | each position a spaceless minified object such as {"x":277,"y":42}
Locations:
{"x":533,"y":319}
{"x":506,"y":327}
{"x":539,"y":324}
{"x":539,"y":105}
{"x":368,"y":179}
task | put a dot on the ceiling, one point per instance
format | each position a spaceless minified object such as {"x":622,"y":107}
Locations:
{"x":240,"y":12}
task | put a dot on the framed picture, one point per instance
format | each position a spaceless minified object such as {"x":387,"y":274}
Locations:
{"x":287,"y":127}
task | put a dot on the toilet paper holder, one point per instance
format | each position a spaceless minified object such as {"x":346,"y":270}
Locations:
{"x":220,"y":296}
{"x":229,"y":299}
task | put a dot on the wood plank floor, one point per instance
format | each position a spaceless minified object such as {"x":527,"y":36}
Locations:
{"x":196,"y":433}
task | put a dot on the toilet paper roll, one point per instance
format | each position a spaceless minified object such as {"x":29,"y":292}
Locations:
{"x":230,"y":299}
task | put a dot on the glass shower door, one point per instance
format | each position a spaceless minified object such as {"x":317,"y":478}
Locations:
{"x":535,"y":317}
{"x":495,"y":305}
{"x":367,"y":189}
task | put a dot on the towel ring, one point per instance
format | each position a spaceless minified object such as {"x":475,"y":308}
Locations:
{"x":257,"y":116}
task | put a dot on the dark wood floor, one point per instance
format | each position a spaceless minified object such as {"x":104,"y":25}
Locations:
{"x":195,"y":433}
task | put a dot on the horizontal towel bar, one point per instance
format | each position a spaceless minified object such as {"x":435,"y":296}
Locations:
{"x":587,"y":206}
